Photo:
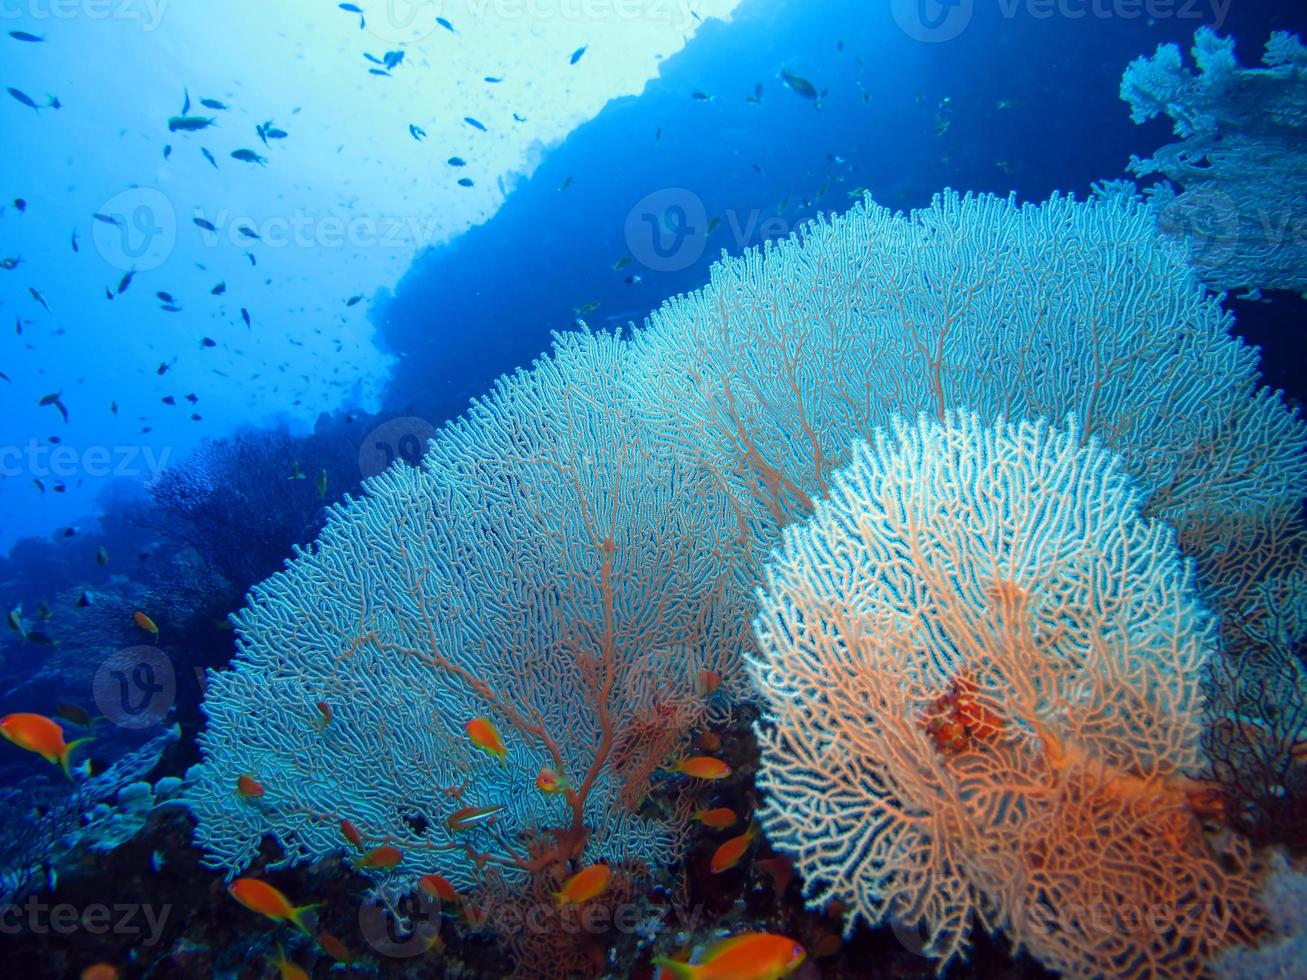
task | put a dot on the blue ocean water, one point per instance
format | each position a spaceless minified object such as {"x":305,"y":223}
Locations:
{"x":182,"y":405}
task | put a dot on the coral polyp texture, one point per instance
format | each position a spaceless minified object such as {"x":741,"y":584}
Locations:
{"x":982,"y":677}
{"x":1237,"y":190}
{"x":546,"y":569}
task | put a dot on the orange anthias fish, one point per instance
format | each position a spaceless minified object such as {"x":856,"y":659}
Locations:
{"x":709,"y":681}
{"x":145,"y":623}
{"x":351,"y":834}
{"x":703,"y":767}
{"x":248,"y":787}
{"x":750,"y":956}
{"x":324,"y":710}
{"x":259,"y":896}
{"x":287,"y":969}
{"x":781,"y":871}
{"x":828,"y":945}
{"x":708,"y":741}
{"x":334,"y":948}
{"x":729,"y":854}
{"x":485,"y":736}
{"x":100,"y":971}
{"x":550,"y":782}
{"x":438,"y":886}
{"x":75,"y":714}
{"x":718,"y":818}
{"x":385,"y":856}
{"x":586,"y":884}
{"x":39,"y":734}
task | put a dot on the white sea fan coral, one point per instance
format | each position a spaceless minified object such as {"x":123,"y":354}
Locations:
{"x":982,"y":675}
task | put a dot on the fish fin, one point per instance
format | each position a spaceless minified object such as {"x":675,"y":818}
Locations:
{"x":68,"y":750}
{"x":675,"y":968}
{"x":296,"y":916}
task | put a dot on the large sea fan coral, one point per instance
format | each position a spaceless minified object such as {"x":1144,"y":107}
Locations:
{"x":792,"y":353}
{"x":982,"y":672}
{"x":655,"y":474}
{"x":546,"y":568}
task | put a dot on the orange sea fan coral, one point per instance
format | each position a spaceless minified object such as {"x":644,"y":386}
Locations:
{"x":982,"y":669}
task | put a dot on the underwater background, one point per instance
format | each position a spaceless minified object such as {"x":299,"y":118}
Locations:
{"x":253,"y":255}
